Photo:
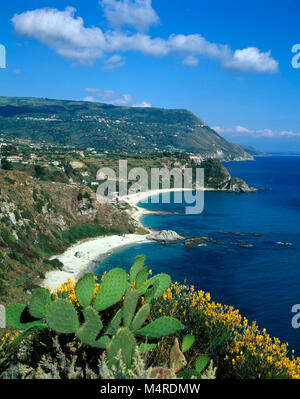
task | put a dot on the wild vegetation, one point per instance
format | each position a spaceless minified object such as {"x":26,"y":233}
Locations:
{"x":107,"y":127}
{"x":144,"y":328}
{"x":39,"y":219}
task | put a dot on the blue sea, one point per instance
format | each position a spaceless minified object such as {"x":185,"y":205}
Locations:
{"x":263,"y":281}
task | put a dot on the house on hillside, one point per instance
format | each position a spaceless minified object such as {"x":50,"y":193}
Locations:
{"x":14,"y":159}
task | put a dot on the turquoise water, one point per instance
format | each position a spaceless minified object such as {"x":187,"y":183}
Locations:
{"x":262,"y":281}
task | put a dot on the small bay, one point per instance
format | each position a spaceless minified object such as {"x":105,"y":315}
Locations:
{"x":262,"y":281}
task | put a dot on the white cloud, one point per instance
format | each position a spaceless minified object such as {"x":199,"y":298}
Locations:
{"x":115,"y":61}
{"x":239,"y":131}
{"x":251,"y":59}
{"x":288,"y":133}
{"x":143,"y":104}
{"x":266,"y":132}
{"x":221,"y":130}
{"x":137,"y":13}
{"x":190,"y":60}
{"x":242,"y":129}
{"x":68,"y":37}
{"x":90,"y":99}
{"x":61,"y":31}
{"x":111,"y":97}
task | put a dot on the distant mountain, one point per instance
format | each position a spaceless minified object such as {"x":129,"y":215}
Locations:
{"x":110,"y":128}
{"x":253,"y":151}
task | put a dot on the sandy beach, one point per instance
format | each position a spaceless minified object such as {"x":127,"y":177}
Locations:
{"x":92,"y":250}
{"x":89,"y":252}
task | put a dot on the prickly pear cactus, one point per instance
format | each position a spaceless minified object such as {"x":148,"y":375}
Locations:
{"x":111,"y":289}
{"x":141,"y":277}
{"x":18,"y":316}
{"x":91,"y":328}
{"x":129,"y":306}
{"x":136,"y":267}
{"x":84,"y":289}
{"x":62,"y":317}
{"x":38,"y":303}
{"x":155,"y":286}
{"x":140,"y":317}
{"x":161,"y":327}
{"x":115,"y":323}
{"x":125,"y":342}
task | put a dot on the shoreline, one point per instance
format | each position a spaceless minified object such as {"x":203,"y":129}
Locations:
{"x":94,"y":249}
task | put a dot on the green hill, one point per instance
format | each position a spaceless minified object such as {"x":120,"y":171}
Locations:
{"x":253,"y":151}
{"x":110,"y":128}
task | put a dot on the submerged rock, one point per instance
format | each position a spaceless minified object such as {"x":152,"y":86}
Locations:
{"x":245,"y":245}
{"x":165,"y":236}
{"x":197,"y":241}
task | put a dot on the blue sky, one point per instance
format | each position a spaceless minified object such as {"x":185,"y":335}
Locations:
{"x":227,"y":61}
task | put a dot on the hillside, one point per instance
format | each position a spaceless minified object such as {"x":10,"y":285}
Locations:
{"x":254,"y":151}
{"x":45,"y":209}
{"x":42,"y":218}
{"x":111,"y":128}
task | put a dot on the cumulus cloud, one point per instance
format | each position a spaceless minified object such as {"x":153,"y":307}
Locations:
{"x":115,"y":61}
{"x":242,"y":129}
{"x":190,"y":60}
{"x":138,"y":14}
{"x":251,"y":59}
{"x":239,"y":131}
{"x":111,"y":97}
{"x":221,"y":130}
{"x":61,"y":31}
{"x":143,"y":104}
{"x":288,"y":133}
{"x":67,"y":36}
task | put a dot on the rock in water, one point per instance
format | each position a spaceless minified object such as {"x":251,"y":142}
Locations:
{"x":165,"y":236}
{"x":239,"y":186}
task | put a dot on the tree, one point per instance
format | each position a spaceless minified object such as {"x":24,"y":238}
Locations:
{"x":6,"y":165}
{"x":39,"y":171}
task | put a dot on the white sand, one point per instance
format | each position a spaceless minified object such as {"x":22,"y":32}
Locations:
{"x":93,"y":249}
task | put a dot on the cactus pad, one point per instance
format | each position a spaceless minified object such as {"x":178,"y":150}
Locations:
{"x":111,"y":289}
{"x":38,"y":303}
{"x":18,"y":316}
{"x":136,"y":267}
{"x":125,"y":342}
{"x":91,"y":328}
{"x":115,"y":323}
{"x":187,"y":343}
{"x":129,"y":306}
{"x":161,"y":327}
{"x":84,"y":289}
{"x":141,"y":277}
{"x":140,"y":317}
{"x":61,"y":316}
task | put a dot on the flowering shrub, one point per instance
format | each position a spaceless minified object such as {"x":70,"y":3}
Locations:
{"x":238,"y":349}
